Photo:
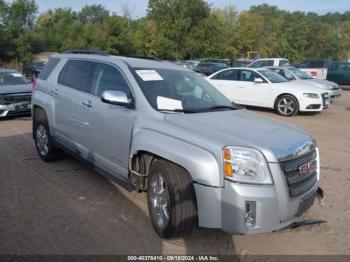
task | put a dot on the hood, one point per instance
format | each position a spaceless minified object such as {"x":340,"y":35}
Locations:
{"x":13,"y":89}
{"x":277,"y":140}
{"x":304,"y":86}
{"x":323,"y":82}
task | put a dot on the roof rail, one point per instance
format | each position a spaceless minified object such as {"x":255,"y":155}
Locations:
{"x":144,"y":57}
{"x":86,"y":52}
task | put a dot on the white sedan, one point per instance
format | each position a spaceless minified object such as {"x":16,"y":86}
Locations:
{"x":265,"y":88}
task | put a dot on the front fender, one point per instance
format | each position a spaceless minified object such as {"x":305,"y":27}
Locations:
{"x":201,"y":164}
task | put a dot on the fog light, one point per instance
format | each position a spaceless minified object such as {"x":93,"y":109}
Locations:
{"x":250,"y":213}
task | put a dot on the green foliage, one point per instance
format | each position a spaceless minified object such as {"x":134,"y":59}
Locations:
{"x":174,"y":29}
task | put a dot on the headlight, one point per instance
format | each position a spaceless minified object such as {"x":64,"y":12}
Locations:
{"x":325,"y":86}
{"x":311,"y":95}
{"x":246,"y":165}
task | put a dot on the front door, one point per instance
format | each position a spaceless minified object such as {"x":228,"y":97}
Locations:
{"x":251,"y":92}
{"x":108,"y":128}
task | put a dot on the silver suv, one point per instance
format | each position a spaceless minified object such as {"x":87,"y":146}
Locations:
{"x":159,"y":128}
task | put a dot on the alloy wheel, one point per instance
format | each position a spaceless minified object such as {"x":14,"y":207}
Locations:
{"x":160,"y":200}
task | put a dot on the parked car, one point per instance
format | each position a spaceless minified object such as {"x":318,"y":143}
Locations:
{"x":158,"y":127}
{"x":339,"y":72}
{"x":191,"y":64}
{"x":15,"y":93}
{"x":317,"y":68}
{"x":269,"y":62}
{"x":264,"y":88}
{"x":209,"y":68}
{"x":296,"y":75}
{"x":33,"y":69}
{"x":240,"y":63}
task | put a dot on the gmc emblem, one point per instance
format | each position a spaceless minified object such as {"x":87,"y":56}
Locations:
{"x":308,"y":168}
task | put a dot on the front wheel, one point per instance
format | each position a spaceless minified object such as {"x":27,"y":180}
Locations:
{"x":287,"y":105}
{"x":171,"y":199}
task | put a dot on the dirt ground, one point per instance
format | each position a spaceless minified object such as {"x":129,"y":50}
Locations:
{"x":65,"y":208}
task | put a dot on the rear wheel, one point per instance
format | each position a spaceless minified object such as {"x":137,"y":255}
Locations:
{"x":287,"y":105}
{"x":43,"y":142}
{"x":171,"y":199}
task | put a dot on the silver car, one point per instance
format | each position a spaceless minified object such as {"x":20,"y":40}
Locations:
{"x":160,"y":128}
{"x":15,"y":93}
{"x":295,"y":74}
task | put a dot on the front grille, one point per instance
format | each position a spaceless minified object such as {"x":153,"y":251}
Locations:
{"x":13,"y":99}
{"x":299,"y":184}
{"x":325,"y":97}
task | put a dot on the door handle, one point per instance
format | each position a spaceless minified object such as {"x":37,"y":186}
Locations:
{"x":86,"y":104}
{"x":55,"y":91}
{"x":241,"y":86}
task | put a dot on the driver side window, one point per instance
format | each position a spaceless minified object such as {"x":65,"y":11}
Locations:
{"x":248,"y":76}
{"x":108,"y":78}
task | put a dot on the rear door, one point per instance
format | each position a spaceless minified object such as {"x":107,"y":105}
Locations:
{"x":108,"y":128}
{"x":226,"y":82}
{"x":73,"y":84}
{"x":250,"y":92}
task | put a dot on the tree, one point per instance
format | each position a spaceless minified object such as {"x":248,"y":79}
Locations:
{"x":93,"y":14}
{"x":177,"y":19}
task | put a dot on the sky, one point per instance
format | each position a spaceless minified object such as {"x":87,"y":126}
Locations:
{"x":138,"y":8}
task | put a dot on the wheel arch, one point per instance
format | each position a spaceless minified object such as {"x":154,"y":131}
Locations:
{"x":198,"y":162}
{"x":38,"y":113}
{"x":284,"y":94}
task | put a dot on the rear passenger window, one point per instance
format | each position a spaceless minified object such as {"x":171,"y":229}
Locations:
{"x":226,"y":75}
{"x":108,"y":78}
{"x":77,"y":74}
{"x":48,"y":68}
{"x":268,"y":63}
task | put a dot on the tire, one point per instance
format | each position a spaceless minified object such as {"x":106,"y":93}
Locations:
{"x":170,"y":190}
{"x":287,"y":105}
{"x":43,"y":142}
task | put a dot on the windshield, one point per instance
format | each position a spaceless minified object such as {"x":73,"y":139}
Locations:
{"x":179,"y":91}
{"x":12,"y":78}
{"x":299,"y":73}
{"x":272,"y":76}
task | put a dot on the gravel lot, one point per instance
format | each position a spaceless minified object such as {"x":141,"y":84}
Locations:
{"x":65,"y":208}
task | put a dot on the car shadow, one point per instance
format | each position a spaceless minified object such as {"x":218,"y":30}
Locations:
{"x":273,"y":112}
{"x":64,"y":207}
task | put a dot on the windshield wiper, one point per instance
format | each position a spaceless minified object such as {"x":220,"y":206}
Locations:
{"x":208,"y":109}
{"x":215,"y":108}
{"x":176,"y":110}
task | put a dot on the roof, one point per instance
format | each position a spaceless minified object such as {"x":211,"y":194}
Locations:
{"x":273,"y":58}
{"x":130,"y":61}
{"x":147,"y":63}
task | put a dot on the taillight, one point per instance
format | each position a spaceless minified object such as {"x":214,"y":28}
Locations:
{"x":34,"y":83}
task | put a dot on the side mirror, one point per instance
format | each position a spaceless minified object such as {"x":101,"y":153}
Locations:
{"x":258,"y":80}
{"x":118,"y":98}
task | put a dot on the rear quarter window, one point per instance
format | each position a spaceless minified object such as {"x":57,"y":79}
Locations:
{"x":48,"y":68}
